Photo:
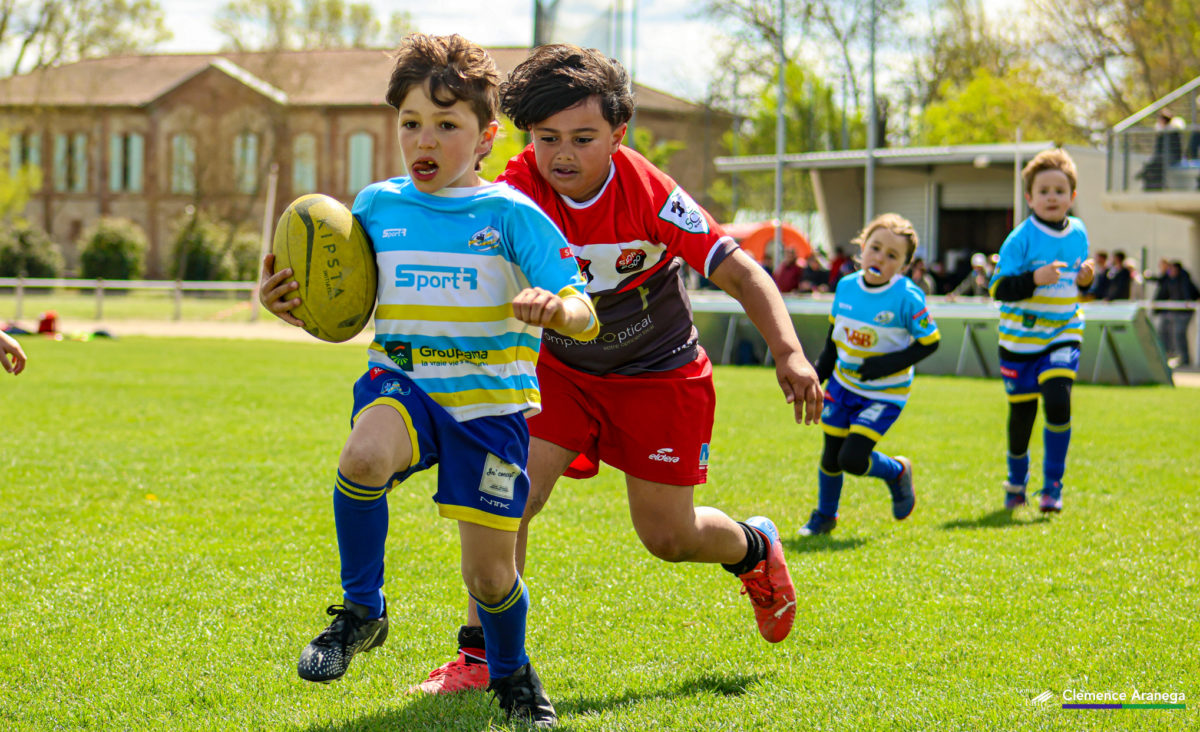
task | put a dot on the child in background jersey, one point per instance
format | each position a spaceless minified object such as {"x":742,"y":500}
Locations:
{"x":1043,"y":266}
{"x":879,"y":329}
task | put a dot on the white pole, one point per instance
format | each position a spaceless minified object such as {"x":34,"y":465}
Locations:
{"x":1018,"y":186}
{"x":872,"y":127}
{"x":777,"y":248}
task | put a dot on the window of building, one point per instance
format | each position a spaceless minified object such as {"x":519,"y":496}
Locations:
{"x":70,"y":162}
{"x":304,"y":164}
{"x":126,"y":157}
{"x":183,"y":163}
{"x":362,"y":153}
{"x":23,"y":149}
{"x":245,"y":162}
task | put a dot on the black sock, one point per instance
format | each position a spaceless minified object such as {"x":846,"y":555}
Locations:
{"x":470,"y":641}
{"x":756,"y":551}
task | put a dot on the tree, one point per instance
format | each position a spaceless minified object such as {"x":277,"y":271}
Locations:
{"x":252,"y":25}
{"x":40,"y":33}
{"x":1126,"y":52}
{"x":961,"y":43}
{"x":990,"y":108}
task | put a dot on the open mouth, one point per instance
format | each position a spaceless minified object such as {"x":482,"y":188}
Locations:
{"x":424,"y":169}
{"x":875,"y":271}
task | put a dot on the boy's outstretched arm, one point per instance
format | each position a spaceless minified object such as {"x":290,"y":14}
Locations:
{"x":571,"y":316}
{"x":745,"y":281}
{"x":12,"y":357}
{"x":273,"y":287}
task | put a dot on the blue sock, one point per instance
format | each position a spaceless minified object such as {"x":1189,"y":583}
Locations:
{"x":882,"y":466}
{"x":829,"y":492}
{"x":1018,"y":469}
{"x":1056,"y":438}
{"x":361,"y":515}
{"x":504,"y":631}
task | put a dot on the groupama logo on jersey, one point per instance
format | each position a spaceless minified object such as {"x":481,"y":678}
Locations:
{"x":683,"y":212}
{"x":862,"y":337}
{"x":425,"y":277}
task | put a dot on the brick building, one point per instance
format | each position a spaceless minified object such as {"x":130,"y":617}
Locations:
{"x":144,"y":137}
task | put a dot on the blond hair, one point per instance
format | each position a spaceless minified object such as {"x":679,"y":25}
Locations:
{"x":1056,"y":159}
{"x":894,"y":223}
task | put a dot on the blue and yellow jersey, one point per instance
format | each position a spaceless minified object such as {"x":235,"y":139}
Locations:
{"x":1051,"y":315}
{"x":450,"y":265}
{"x":872,"y":321}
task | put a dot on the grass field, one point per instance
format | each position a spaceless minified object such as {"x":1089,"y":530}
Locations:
{"x":168,"y":549}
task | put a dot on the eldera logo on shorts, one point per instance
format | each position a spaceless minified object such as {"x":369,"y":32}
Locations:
{"x":663,"y":455}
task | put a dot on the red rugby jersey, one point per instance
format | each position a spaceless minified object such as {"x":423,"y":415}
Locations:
{"x":627,"y":240}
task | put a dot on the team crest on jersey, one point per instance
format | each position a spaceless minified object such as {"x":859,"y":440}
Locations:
{"x":401,"y":354}
{"x":484,"y":240}
{"x":885,"y":317}
{"x":630,"y":260}
{"x":585,"y":268}
{"x":683,"y":212}
{"x":862,"y":337}
{"x":394,"y":387}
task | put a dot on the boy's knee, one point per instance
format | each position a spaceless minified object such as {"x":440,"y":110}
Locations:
{"x":489,"y":584}
{"x":362,"y":465}
{"x":854,"y":462}
{"x":538,"y":495}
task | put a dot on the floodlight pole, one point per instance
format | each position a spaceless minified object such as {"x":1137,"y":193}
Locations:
{"x":777,"y":248}
{"x":872,"y":127}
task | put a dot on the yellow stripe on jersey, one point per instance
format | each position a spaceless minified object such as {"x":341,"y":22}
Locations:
{"x":1005,"y":338}
{"x":485,"y":396}
{"x":475,"y":516}
{"x":852,"y":379}
{"x":593,"y":326}
{"x":1047,"y":300}
{"x":445,"y":314}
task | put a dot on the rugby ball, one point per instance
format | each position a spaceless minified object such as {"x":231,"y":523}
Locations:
{"x":333,"y":261}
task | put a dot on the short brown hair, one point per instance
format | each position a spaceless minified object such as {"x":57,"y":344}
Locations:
{"x":894,"y":223}
{"x":1056,"y":159}
{"x":559,"y":76}
{"x":457,"y":71}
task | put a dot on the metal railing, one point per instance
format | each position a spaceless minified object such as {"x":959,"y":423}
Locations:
{"x":177,"y":288}
{"x":1146,"y":159}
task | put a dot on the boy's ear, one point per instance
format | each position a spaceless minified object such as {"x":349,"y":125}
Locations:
{"x":618,"y":135}
{"x":487,"y":138}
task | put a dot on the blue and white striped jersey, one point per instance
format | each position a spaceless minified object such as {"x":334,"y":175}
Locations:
{"x":450,"y":265}
{"x":872,"y":321}
{"x":1051,"y":315}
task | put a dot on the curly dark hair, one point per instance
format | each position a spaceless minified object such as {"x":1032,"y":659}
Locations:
{"x":457,"y":70}
{"x":559,"y":76}
{"x":1056,"y":159}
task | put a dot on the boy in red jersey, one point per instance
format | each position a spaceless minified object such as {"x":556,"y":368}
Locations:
{"x":640,"y":396}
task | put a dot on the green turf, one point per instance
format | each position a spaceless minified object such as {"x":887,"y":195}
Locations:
{"x":167,"y":549}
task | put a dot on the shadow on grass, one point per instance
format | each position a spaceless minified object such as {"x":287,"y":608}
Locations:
{"x":477,"y":710}
{"x":823,"y":543}
{"x":998,"y":519}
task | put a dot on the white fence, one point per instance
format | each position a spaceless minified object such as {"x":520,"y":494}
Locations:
{"x":98,"y":287}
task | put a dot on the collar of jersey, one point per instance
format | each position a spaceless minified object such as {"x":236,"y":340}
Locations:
{"x":876,"y":289}
{"x":612,"y":171}
{"x":1053,"y":232}
{"x":466,"y":192}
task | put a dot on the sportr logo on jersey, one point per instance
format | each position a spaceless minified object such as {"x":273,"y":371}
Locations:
{"x":427,"y":277}
{"x":862,"y":337}
{"x":663,"y":455}
{"x":631,"y":260}
{"x":484,"y":240}
{"x":683,"y":212}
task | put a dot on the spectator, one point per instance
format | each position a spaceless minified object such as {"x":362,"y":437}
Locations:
{"x":788,"y":274}
{"x":1137,"y":283}
{"x":1099,"y":286}
{"x":768,"y":262}
{"x":1168,"y":150}
{"x":841,"y":266}
{"x":975,"y":284}
{"x":919,"y":274}
{"x":1120,"y":282}
{"x":1175,"y":285}
{"x":815,"y":277}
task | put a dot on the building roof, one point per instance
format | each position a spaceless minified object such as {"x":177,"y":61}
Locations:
{"x":343,"y":77}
